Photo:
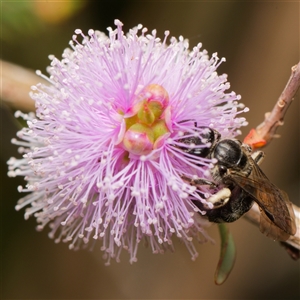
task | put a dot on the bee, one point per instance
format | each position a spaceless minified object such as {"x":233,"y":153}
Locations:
{"x":240,"y":182}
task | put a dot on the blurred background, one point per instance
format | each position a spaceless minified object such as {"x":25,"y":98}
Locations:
{"x":260,"y":41}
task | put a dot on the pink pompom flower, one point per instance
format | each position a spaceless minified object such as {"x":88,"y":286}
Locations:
{"x":101,"y":156}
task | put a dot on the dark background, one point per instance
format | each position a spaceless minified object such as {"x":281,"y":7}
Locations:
{"x":260,"y":41}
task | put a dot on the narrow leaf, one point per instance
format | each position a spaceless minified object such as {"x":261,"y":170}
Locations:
{"x":227,"y":255}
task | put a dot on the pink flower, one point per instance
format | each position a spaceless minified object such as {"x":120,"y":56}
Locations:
{"x":100,"y":156}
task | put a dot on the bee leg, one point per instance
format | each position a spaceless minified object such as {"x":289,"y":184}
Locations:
{"x":220,"y":198}
{"x":258,"y":156}
{"x":238,"y":204}
{"x":198,"y":181}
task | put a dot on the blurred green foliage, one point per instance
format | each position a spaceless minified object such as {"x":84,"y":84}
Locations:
{"x":19,"y":20}
{"x":29,"y":18}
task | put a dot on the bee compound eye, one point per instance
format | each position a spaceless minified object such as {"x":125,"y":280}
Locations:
{"x":222,"y":170}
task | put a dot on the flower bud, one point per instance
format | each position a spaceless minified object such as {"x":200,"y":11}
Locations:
{"x":156,"y":93}
{"x":138,"y":139}
{"x":145,"y":114}
{"x":159,"y":128}
{"x":154,"y":101}
{"x":145,"y":120}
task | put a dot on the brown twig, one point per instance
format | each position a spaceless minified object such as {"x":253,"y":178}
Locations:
{"x":265,"y":132}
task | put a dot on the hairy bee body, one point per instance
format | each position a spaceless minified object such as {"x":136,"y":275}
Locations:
{"x":237,"y":170}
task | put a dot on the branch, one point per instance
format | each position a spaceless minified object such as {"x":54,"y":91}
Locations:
{"x":262,"y":135}
{"x":265,"y":132}
{"x":15,"y":86}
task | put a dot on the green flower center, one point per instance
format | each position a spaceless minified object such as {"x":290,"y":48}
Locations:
{"x":148,"y":125}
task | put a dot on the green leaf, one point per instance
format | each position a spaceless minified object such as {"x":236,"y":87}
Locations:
{"x":227,"y":255}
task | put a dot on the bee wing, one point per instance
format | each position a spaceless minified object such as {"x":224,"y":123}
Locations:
{"x":277,"y":215}
{"x":269,"y":229}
